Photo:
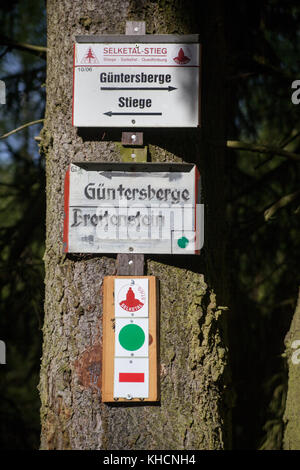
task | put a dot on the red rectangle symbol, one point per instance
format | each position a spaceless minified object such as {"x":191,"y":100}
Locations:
{"x":131,"y":377}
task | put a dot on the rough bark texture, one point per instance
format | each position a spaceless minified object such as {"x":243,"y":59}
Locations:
{"x":193,"y":413}
{"x":291,"y":440}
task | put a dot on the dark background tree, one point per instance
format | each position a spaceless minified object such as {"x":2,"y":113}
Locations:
{"x":22,"y":226}
{"x":264,"y":45}
{"x":262,"y":60}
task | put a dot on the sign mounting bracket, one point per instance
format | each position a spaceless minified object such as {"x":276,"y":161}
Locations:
{"x":132,"y":263}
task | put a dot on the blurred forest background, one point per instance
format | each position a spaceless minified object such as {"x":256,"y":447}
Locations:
{"x":263,"y":206}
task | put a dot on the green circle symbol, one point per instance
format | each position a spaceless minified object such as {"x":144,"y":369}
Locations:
{"x":131,"y":337}
{"x":182,"y":242}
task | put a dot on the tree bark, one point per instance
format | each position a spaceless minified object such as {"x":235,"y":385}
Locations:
{"x":291,"y":439}
{"x":194,"y":412}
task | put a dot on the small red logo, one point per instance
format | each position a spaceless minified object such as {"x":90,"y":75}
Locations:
{"x":181,"y":58}
{"x":90,"y":57}
{"x":134,"y":298}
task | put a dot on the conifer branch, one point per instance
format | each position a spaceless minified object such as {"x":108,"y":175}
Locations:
{"x":34,"y":49}
{"x":282,"y":202}
{"x":236,"y":144}
{"x":38,"y":121}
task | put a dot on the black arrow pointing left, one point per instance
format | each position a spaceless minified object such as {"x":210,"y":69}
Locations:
{"x":110,"y":113}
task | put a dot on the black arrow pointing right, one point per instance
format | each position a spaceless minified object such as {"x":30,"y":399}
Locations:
{"x":112,"y":88}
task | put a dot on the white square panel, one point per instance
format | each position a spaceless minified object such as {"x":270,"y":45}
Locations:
{"x":131,"y":297}
{"x":131,"y":337}
{"x":131,"y":378}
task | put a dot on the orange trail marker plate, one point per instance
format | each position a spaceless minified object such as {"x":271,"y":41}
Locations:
{"x":130,"y":339}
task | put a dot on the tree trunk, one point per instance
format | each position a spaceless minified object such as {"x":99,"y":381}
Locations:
{"x":193,"y":413}
{"x":291,"y":440}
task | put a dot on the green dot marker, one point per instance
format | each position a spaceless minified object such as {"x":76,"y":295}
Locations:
{"x":131,"y":337}
{"x":182,"y":242}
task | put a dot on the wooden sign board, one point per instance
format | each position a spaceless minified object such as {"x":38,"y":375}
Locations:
{"x":133,"y":208}
{"x":136,"y":81}
{"x":130,"y":339}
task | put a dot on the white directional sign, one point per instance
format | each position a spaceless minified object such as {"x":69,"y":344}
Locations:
{"x":121,"y":208}
{"x":136,"y":84}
